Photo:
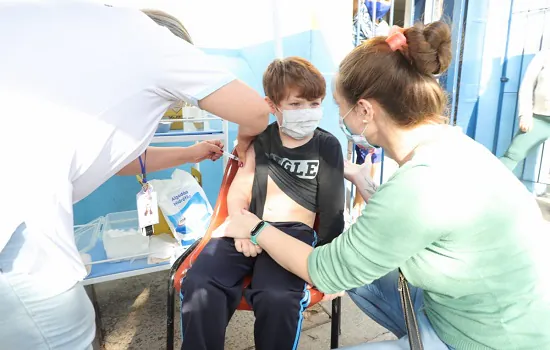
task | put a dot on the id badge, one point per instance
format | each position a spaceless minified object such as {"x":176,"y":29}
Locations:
{"x":147,"y":207}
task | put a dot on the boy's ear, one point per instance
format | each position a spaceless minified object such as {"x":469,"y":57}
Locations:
{"x":270,"y":104}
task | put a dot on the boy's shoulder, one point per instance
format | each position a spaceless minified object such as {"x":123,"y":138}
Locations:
{"x":268,"y":131}
{"x":326,"y":138}
{"x":266,"y":136}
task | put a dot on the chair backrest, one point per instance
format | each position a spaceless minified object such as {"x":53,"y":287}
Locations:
{"x":218,"y":217}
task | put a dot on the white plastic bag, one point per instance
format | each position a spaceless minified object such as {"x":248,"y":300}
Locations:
{"x":184,"y":205}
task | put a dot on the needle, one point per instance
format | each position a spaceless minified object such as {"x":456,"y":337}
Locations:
{"x":232,"y":156}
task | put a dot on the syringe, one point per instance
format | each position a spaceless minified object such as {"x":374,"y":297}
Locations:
{"x":231,"y":155}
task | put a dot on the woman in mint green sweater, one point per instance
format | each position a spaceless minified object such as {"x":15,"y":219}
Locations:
{"x":470,"y":242}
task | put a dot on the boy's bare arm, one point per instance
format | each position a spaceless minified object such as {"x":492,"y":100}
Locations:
{"x":240,"y":192}
{"x":239,"y":196}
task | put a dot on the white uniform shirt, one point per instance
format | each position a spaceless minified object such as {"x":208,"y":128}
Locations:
{"x":82,"y":89}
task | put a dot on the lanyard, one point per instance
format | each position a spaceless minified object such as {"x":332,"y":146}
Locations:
{"x":142,"y":164}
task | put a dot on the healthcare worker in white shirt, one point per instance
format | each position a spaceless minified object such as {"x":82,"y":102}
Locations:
{"x":83,"y":87}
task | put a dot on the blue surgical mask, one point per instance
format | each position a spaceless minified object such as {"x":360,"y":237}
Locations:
{"x":359,"y":140}
{"x":382,"y":8}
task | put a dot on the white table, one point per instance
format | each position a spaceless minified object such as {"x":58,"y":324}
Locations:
{"x":104,"y":271}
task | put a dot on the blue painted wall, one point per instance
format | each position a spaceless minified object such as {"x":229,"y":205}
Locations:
{"x":248,"y":64}
{"x":498,"y":45}
{"x":469,"y":86}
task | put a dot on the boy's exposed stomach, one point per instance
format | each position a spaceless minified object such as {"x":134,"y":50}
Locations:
{"x":281,"y":208}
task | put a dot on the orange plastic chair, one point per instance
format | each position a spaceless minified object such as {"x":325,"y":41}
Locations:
{"x":185,"y":262}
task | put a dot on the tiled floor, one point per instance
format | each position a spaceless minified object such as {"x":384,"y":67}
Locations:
{"x":133,"y":317}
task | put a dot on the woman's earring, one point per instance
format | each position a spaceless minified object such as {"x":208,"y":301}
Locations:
{"x":365,"y":116}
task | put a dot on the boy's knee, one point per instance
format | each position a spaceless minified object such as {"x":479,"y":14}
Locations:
{"x":195,"y":279}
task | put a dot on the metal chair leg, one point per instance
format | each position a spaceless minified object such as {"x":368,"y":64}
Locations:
{"x":170,"y":315}
{"x":335,"y":324}
{"x":170,"y":301}
{"x":339,"y":316}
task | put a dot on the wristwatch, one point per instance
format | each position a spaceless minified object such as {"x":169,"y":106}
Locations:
{"x":256,"y":230}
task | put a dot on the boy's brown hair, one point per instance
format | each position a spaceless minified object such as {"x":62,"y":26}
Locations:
{"x":293,"y":73}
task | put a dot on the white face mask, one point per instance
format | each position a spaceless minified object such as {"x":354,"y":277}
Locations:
{"x":300,"y":123}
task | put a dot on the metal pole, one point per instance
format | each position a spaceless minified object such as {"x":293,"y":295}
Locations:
{"x":412,"y":11}
{"x":335,"y":323}
{"x":277,"y":36}
{"x":357,"y":23}
{"x":392,"y":12}
{"x":429,"y":6}
{"x":373,"y":17}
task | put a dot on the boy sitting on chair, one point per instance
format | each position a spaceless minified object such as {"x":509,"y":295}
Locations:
{"x":293,"y":173}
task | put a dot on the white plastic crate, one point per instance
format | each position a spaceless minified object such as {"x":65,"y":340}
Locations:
{"x":122,"y":238}
{"x":86,"y":235}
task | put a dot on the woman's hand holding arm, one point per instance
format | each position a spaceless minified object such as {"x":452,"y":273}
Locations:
{"x":359,"y":175}
{"x":287,"y":251}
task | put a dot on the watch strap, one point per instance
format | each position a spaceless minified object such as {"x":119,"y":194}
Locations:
{"x":257,"y":230}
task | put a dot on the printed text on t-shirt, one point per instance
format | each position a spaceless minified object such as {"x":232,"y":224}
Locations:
{"x":304,"y":169}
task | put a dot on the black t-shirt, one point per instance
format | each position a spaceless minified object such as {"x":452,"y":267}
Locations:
{"x":312,"y":175}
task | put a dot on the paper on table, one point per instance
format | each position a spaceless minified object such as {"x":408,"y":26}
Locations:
{"x":161,"y":248}
{"x":123,"y":244}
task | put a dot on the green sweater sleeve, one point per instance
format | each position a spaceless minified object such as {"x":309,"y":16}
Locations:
{"x":406,"y":215}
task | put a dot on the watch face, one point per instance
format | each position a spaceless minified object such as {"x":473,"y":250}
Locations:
{"x":256,"y":228}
